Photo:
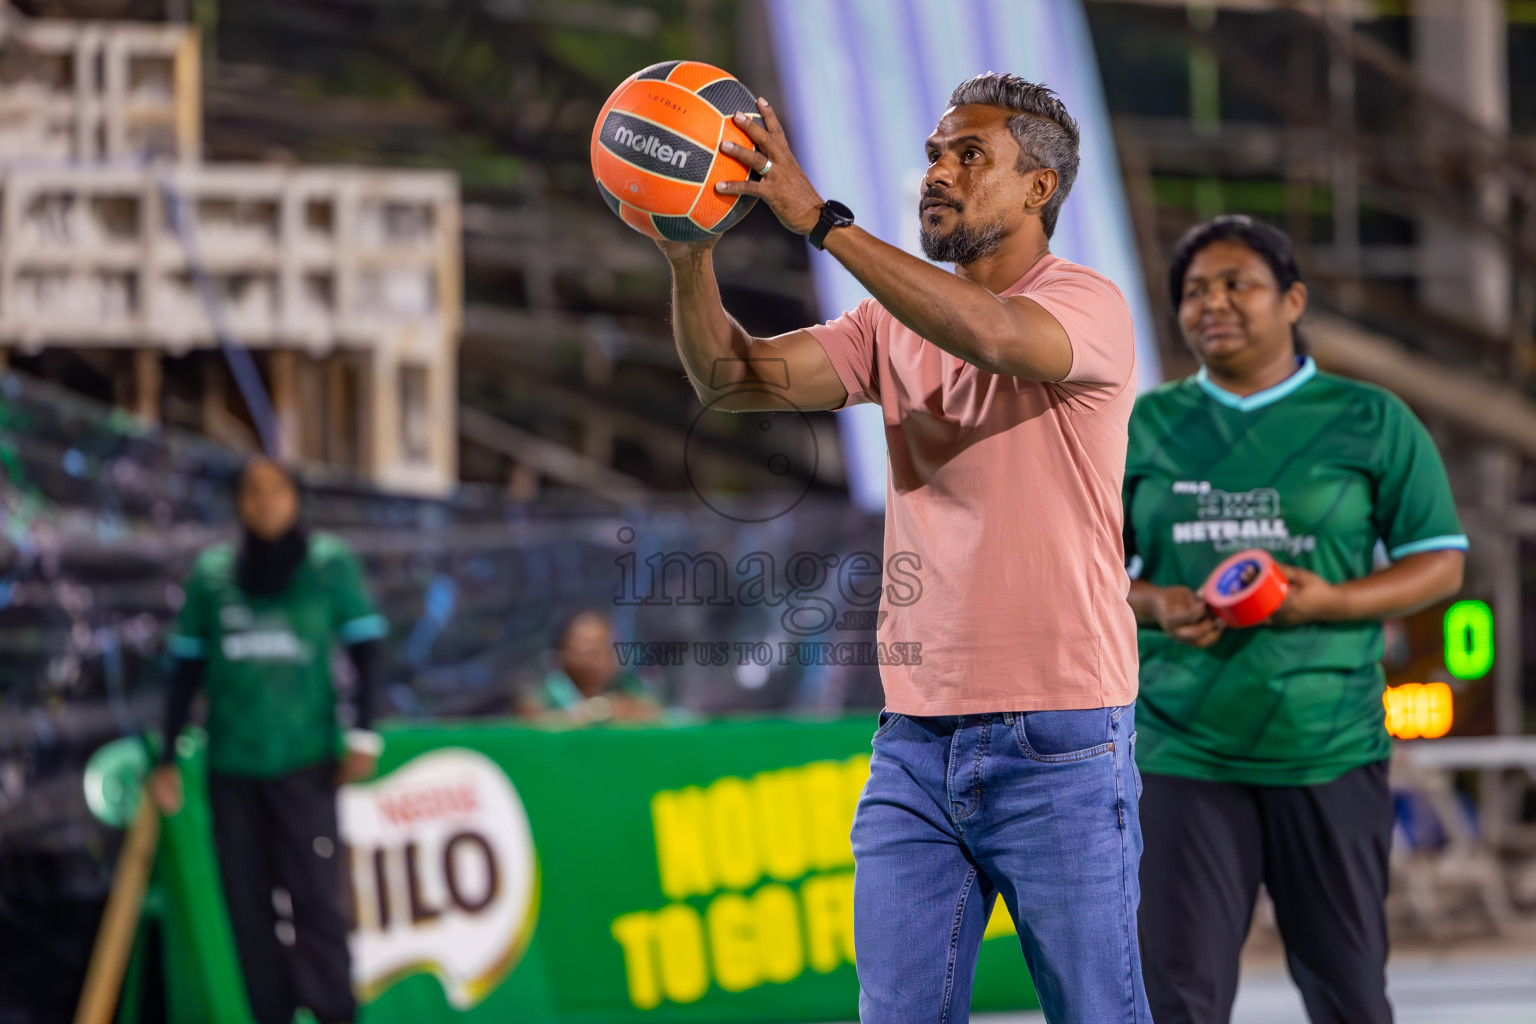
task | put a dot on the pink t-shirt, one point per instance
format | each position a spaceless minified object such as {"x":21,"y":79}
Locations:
{"x":1004,"y":504}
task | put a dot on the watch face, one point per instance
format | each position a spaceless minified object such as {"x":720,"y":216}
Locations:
{"x":839,"y":211}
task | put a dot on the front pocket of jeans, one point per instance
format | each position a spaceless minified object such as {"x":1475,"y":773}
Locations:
{"x":887,"y":722}
{"x":1060,"y":736}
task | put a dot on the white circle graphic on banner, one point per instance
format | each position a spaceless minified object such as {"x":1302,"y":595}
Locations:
{"x":444,"y":875}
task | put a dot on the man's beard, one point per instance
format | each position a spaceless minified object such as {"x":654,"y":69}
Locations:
{"x":963,"y":245}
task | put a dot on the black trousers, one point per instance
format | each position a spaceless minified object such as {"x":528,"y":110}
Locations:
{"x":281,"y":833}
{"x":1321,"y":851}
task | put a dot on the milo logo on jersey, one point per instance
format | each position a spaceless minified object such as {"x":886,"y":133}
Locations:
{"x":1236,"y":520}
{"x":444,"y":875}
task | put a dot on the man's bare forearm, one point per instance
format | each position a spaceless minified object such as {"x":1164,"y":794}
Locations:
{"x":958,"y":315}
{"x":708,"y":339}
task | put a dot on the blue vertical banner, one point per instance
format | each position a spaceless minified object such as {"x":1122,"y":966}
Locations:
{"x":865,"y":81}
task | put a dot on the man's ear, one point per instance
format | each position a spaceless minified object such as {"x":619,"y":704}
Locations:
{"x":1042,"y":185}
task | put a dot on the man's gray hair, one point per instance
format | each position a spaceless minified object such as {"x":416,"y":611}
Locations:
{"x":1046,"y":133}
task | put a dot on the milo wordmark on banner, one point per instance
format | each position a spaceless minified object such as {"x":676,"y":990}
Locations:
{"x":697,"y":873}
{"x":445,"y":879}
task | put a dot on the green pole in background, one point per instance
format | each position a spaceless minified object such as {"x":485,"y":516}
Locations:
{"x":200,"y":953}
{"x":203,"y":981}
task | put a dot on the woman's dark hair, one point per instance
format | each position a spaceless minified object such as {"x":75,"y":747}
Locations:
{"x":1272,"y":245}
{"x":251,"y":462}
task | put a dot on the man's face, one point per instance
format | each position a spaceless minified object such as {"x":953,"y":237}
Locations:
{"x":268,"y":503}
{"x":973,"y":195}
{"x":586,"y":654}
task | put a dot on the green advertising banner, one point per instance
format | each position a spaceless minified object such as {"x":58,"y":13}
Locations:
{"x":650,"y":873}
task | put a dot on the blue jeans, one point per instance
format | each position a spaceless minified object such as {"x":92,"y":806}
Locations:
{"x":1037,"y":806}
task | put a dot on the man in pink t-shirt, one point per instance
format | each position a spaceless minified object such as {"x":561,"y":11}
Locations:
{"x":1003,"y":762}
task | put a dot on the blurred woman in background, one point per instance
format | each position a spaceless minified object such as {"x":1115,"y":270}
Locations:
{"x":1264,"y":751}
{"x":256,"y":631}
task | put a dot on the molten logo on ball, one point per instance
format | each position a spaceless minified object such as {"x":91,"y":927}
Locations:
{"x":650,"y":145}
{"x":444,"y":874}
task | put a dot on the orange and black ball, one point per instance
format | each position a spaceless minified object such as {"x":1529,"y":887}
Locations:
{"x":656,"y":150}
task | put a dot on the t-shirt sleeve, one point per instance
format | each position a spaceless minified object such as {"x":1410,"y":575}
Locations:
{"x":353,"y":614}
{"x":191,"y":632}
{"x":1098,"y":324}
{"x":1414,"y":508}
{"x":849,"y":342}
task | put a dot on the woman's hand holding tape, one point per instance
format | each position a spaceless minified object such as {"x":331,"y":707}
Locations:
{"x":1185,"y":617}
{"x":1309,"y":599}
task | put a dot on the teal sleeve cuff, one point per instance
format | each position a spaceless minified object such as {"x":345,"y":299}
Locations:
{"x":1445,"y":542}
{"x":369,"y":627}
{"x":189,"y":647}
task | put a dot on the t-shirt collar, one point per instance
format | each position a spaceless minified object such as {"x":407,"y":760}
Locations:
{"x":1306,"y":369}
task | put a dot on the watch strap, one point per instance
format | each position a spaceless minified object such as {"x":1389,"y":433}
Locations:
{"x":830,"y":219}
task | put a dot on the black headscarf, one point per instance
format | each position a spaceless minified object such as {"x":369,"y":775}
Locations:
{"x":266,"y":567}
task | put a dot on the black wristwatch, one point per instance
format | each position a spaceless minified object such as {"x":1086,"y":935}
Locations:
{"x":833,"y":215}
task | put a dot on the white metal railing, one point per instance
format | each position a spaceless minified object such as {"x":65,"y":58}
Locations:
{"x":88,"y":91}
{"x":113,"y":234}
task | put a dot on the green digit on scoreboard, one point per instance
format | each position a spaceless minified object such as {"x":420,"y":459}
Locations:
{"x":1469,"y":639}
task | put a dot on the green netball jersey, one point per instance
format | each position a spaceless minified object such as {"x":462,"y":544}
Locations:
{"x":271,"y":700}
{"x":1316,"y":470}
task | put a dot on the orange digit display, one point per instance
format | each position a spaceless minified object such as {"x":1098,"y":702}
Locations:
{"x":1418,"y":710}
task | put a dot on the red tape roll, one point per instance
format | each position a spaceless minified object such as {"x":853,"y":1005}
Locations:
{"x":1246,"y":589}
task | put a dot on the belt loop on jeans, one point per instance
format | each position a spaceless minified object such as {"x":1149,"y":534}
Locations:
{"x":1007,"y":717}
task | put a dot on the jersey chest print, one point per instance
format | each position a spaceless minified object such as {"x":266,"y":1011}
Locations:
{"x":1235,"y":520}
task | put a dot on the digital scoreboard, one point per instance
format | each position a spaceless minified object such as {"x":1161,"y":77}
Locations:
{"x":1426,"y":710}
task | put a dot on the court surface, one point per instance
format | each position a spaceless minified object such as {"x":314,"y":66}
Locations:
{"x":1469,"y":987}
{"x":1482,"y":989}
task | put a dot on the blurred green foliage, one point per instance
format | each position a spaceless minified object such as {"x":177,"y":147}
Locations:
{"x":488,"y":88}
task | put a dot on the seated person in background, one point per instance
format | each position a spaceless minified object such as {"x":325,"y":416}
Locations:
{"x":587,"y":684}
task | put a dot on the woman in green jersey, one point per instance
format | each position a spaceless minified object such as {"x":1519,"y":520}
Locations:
{"x":1264,"y":751}
{"x":256,"y":631}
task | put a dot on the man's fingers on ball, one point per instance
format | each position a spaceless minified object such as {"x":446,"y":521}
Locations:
{"x":754,"y":129}
{"x":740,"y":188}
{"x":751,"y":157}
{"x":770,"y":119}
